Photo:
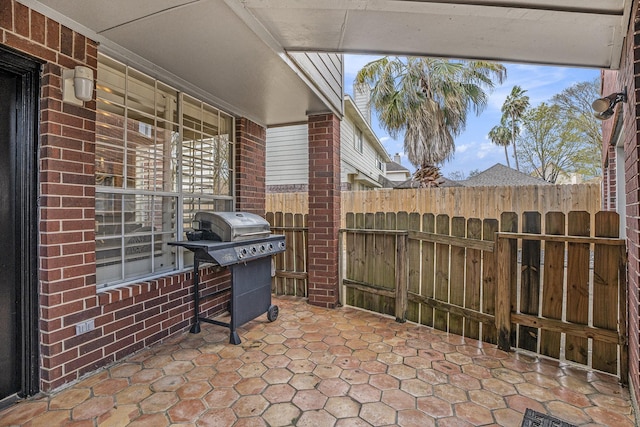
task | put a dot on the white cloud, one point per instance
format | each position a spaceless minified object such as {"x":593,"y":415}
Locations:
{"x":462,"y":148}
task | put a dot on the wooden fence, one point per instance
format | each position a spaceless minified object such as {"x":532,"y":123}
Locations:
{"x":291,"y":266}
{"x":560,"y":294}
{"x":468,"y":202}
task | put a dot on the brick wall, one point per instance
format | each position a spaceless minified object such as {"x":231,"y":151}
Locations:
{"x":251,"y":159}
{"x":324,"y":209}
{"x":131,"y":317}
{"x":616,"y":81}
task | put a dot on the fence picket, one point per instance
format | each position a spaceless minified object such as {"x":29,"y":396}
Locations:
{"x":552,"y":291}
{"x":473,"y":275}
{"x":442,"y":273}
{"x":489,"y":229}
{"x":578,"y":286}
{"x":456,"y":275}
{"x":428,"y":269}
{"x":605,"y":290}
{"x":413,"y":258}
{"x":530,"y":280}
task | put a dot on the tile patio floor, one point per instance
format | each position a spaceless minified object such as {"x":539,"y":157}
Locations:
{"x":318,"y":367}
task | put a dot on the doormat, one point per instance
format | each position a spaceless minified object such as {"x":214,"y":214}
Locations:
{"x":536,"y":419}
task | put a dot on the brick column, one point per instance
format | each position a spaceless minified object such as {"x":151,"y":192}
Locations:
{"x":324,"y":209}
{"x":251,"y":149}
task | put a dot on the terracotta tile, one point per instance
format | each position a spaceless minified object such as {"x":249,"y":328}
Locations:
{"x":231,"y":352}
{"x":398,"y":399}
{"x":535,"y":392}
{"x":251,"y":422}
{"x":498,"y":387}
{"x":186,"y":354}
{"x":479,"y":372}
{"x":228,"y":365}
{"x":416,"y":387}
{"x":380,"y":348}
{"x":540,"y":380}
{"x":333,"y":387}
{"x":110,"y":387}
{"x":277,"y":376}
{"x":446,"y":367}
{"x":458,"y":359}
{"x":342,"y":407}
{"x":298,"y":354}
{"x":402,"y":372}
{"x":613,"y":403}
{"x":92,"y":408}
{"x":521,"y":403}
{"x":118,"y":416}
{"x":133,"y":394}
{"x":432,"y":376}
{"x":301,"y":366}
{"x":567,"y":412}
{"x":276,"y":361}
{"x":434,"y":406}
{"x":168,"y":383}
{"x":450,"y":393}
{"x":223,"y":417}
{"x":207,"y":359}
{"x":124,"y":370}
{"x":250,"y":406}
{"x":352,"y":422}
{"x":378,"y":413}
{"x":347,"y":362}
{"x":355,"y":376}
{"x":221,"y":398}
{"x":464,"y":382}
{"x":193,"y":390}
{"x":316,"y":347}
{"x":487,"y":399}
{"x":224,"y":379}
{"x":46,"y":419}
{"x":157,"y":361}
{"x":279,"y":393}
{"x":365,"y":393}
{"x":308,"y":400}
{"x":150,"y":420}
{"x":315,"y":419}
{"x":384,"y":381}
{"x":453,"y":422}
{"x":146,"y":376}
{"x":472,"y":413}
{"x":415,"y":418}
{"x":390,"y":358}
{"x":252,"y":370}
{"x":295,"y":343}
{"x":306,"y":381}
{"x":281,"y":414}
{"x":158,"y":402}
{"x":507,"y":375}
{"x":405,"y":351}
{"x":200,"y":373}
{"x":69,"y":398}
{"x":250,"y":386}
{"x":417,"y":362}
{"x":577,"y":385}
{"x":607,"y":417}
{"x":508,"y":417}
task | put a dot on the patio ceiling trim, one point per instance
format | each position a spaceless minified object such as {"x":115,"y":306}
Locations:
{"x":588,"y":33}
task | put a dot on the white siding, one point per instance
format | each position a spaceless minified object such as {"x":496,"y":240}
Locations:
{"x":325,"y":70}
{"x":287,"y":155}
{"x":352,"y":160}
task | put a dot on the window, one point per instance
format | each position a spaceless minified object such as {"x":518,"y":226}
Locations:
{"x":160,"y":157}
{"x":379,"y":163}
{"x":358,"y":140}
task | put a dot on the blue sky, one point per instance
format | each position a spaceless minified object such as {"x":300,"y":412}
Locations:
{"x":473,"y":149}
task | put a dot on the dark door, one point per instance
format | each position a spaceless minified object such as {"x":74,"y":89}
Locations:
{"x":9,"y":289}
{"x":19,"y":92}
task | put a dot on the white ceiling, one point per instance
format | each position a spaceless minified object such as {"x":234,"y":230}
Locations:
{"x":234,"y":51}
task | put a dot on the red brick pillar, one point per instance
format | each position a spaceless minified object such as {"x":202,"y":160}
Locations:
{"x":324,"y":209}
{"x":251,"y":149}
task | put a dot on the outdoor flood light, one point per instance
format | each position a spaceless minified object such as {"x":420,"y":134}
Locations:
{"x":77,"y":85}
{"x":603,"y":107}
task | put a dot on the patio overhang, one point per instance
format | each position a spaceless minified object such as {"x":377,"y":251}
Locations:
{"x":585,"y":33}
{"x":243,"y":54}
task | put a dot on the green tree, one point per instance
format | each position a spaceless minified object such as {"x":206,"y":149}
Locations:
{"x":548,"y":146}
{"x":501,"y":135}
{"x":513,"y":109}
{"x":428,"y":99}
{"x":575,"y":107}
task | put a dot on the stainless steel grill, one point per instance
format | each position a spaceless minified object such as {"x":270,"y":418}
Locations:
{"x":243,"y":242}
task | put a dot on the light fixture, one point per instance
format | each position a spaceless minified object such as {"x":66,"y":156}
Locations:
{"x":603,"y":107}
{"x":77,"y":85}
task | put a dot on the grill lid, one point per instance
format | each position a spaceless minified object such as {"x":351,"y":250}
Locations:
{"x":233,"y":226}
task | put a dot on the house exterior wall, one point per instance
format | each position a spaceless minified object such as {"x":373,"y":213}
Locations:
{"x":127,"y":318}
{"x":288,"y":158}
{"x":325,"y":71}
{"x":354,"y":161}
{"x":615,"y":81}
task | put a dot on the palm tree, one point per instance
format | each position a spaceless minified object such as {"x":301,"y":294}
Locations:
{"x":428,"y":99}
{"x":512,"y":110}
{"x":501,"y":135}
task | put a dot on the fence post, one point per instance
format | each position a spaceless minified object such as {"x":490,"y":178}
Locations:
{"x":503,"y":294}
{"x":402,"y":273}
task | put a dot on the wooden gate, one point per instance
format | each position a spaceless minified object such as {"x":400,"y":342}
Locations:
{"x":561,"y":294}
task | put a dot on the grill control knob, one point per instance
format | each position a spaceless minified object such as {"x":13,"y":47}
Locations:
{"x":270,"y":248}
{"x":253,"y":249}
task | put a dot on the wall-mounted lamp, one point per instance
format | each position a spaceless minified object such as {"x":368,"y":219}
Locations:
{"x":603,"y":107}
{"x":77,"y":85}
